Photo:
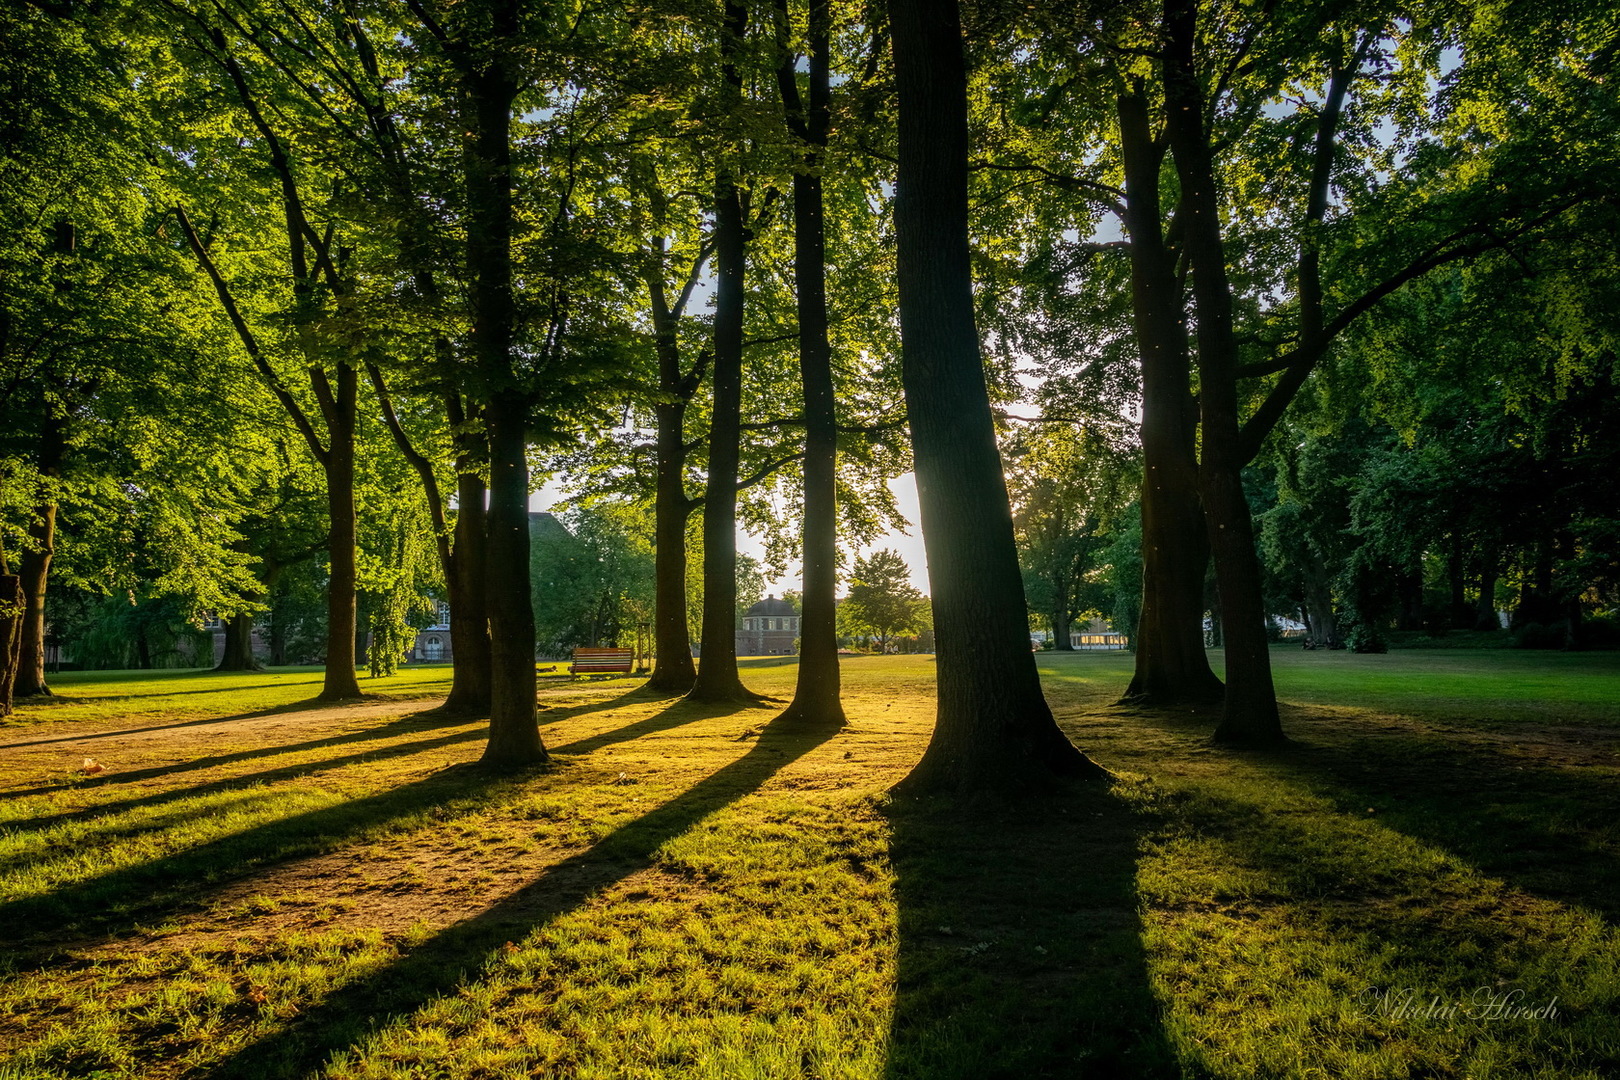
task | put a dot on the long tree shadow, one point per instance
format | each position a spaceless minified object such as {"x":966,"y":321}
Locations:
{"x":116,"y":901}
{"x":346,"y":1016}
{"x":233,"y":783}
{"x":308,"y":705}
{"x":1020,"y":951}
{"x":1404,"y":926}
{"x":109,"y":698}
{"x":678,"y":714}
{"x":1546,"y":830}
{"x":397,"y":726}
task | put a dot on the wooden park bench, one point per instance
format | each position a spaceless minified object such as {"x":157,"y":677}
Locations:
{"x":602,"y":661}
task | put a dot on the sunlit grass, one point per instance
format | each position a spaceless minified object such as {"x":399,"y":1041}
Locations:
{"x":699,"y":893}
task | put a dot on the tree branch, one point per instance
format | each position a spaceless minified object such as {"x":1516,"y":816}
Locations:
{"x":249,"y":341}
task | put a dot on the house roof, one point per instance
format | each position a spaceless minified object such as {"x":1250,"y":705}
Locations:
{"x":772,"y":606}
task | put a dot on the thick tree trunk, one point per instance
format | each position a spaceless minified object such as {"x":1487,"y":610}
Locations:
{"x":34,"y":568}
{"x":238,"y":646}
{"x":1409,"y":590}
{"x":33,"y":572}
{"x":673,"y":669}
{"x":490,"y":92}
{"x":12,"y":604}
{"x":469,"y":610}
{"x":816,"y":694}
{"x":1062,"y":631}
{"x":1318,"y":599}
{"x":340,"y":683}
{"x":514,"y":731}
{"x":1249,"y":713}
{"x":717,"y":679}
{"x":994,"y":730}
{"x":1172,"y":667}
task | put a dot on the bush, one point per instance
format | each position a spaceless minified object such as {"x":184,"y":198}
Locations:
{"x":1541,"y":636}
{"x":1601,"y":632}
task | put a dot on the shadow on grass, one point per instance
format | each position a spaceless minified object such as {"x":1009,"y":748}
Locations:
{"x":1545,"y":829}
{"x":234,"y":783}
{"x":351,"y":1013}
{"x":678,"y":714}
{"x":111,"y":698}
{"x":1020,"y":948}
{"x":397,"y":726}
{"x":307,"y":705}
{"x":1351,"y":913}
{"x":116,"y":901}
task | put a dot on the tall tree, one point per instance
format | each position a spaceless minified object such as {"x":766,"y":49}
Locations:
{"x":717,"y":678}
{"x":816,"y":692}
{"x":994,"y":729}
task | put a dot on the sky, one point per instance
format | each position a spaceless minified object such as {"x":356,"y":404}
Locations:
{"x":908,"y":542}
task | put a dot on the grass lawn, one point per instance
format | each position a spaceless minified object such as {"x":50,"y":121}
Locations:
{"x":1424,"y":884}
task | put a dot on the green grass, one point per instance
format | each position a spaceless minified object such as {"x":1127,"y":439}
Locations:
{"x":295,"y":890}
{"x":117,"y":696}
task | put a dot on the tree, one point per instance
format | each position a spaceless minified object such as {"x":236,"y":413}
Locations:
{"x":882,"y":601}
{"x":994,"y":730}
{"x":816,"y":692}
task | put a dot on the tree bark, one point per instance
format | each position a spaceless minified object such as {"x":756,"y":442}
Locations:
{"x":994,"y":731}
{"x":33,"y":571}
{"x":1062,"y":631}
{"x":717,"y":678}
{"x":816,"y":693}
{"x":34,"y":567}
{"x":514,"y":731}
{"x":1172,"y":667}
{"x":673,"y":669}
{"x":469,"y":609}
{"x":340,"y":682}
{"x":238,"y":645}
{"x":12,"y":603}
{"x":1249,"y":714}
{"x":1485,"y":617}
{"x":489,"y":93}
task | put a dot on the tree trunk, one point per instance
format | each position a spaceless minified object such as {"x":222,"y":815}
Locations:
{"x":238,"y":645}
{"x":717,"y":679}
{"x":1062,"y":631}
{"x":1409,"y":589}
{"x":514,"y":731}
{"x":994,"y":731}
{"x":1172,"y":667}
{"x":1323,"y":631}
{"x":1458,"y":614}
{"x":1249,"y":713}
{"x":12,"y":604}
{"x":469,"y":610}
{"x":340,"y":683}
{"x":1485,"y":607}
{"x":673,"y":669}
{"x":33,"y":572}
{"x":34,"y":568}
{"x":491,"y":85}
{"x":816,"y":694}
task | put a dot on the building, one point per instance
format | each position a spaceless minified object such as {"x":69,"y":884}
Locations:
{"x":769,"y":628}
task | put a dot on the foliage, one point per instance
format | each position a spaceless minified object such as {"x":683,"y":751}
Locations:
{"x":593,"y":577}
{"x":882,"y":602}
